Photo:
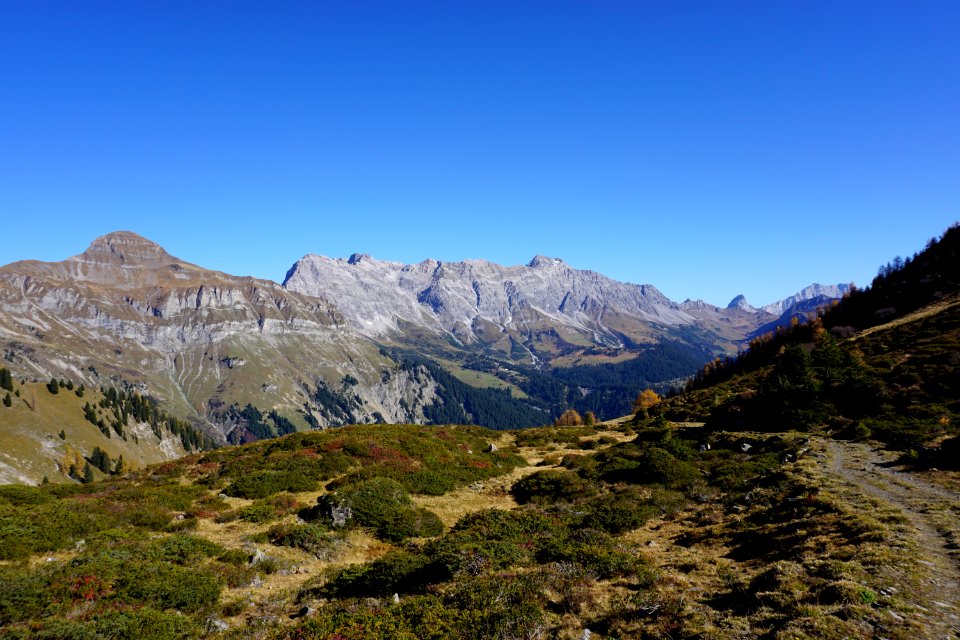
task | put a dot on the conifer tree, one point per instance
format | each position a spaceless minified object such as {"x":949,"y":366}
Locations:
{"x":100,"y":459}
{"x":7,"y":400}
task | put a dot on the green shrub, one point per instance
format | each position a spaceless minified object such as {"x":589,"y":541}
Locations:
{"x":266,"y":483}
{"x":234,"y":556}
{"x":19,"y":495}
{"x":45,"y":527}
{"x":396,"y":572}
{"x":551,"y":486}
{"x":308,"y":537}
{"x":498,"y":524}
{"x":142,"y":622}
{"x":167,"y":587}
{"x":618,"y":512}
{"x":501,"y":606}
{"x":653,"y":465}
{"x":23,"y":594}
{"x":490,"y":540}
{"x":595,"y":550}
{"x":383,"y":505}
{"x":184,"y":550}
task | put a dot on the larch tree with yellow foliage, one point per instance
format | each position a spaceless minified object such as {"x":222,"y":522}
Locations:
{"x":646,"y":400}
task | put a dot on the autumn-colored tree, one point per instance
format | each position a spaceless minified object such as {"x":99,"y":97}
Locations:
{"x":646,"y":400}
{"x":589,"y":419}
{"x":72,"y":462}
{"x":569,"y":418}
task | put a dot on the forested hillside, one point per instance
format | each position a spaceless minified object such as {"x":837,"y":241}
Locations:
{"x":883,"y":361}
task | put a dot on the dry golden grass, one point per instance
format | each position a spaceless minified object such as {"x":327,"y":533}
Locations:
{"x":926,"y":312}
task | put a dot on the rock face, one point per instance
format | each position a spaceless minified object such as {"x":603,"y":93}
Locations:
{"x":479,"y":301}
{"x":125,"y":308}
{"x":740,"y":302}
{"x":817,"y":294}
{"x":541,"y":311}
{"x":316,"y":350}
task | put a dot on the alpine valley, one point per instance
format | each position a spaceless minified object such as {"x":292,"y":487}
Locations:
{"x":342,"y":341}
{"x":805,"y":489}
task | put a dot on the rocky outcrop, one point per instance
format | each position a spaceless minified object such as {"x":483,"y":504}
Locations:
{"x":208,"y":343}
{"x":127,"y":308}
{"x":473,"y":298}
{"x":818,"y":293}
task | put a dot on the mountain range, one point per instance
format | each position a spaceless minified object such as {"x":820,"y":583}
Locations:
{"x":359,"y":339}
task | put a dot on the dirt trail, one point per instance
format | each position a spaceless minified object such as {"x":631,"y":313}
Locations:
{"x":934,"y":513}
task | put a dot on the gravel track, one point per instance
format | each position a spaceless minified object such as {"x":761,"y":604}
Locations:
{"x":932,"y":510}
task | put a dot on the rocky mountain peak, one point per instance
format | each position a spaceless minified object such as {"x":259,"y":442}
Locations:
{"x":814,"y":294}
{"x":544,"y":261}
{"x":740,"y":302}
{"x":358,"y":257}
{"x":127,"y":248}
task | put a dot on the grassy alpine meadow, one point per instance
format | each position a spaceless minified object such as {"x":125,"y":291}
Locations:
{"x":642,"y":529}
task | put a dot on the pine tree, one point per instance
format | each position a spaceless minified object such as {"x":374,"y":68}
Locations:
{"x":6,"y":380}
{"x":100,"y":459}
{"x":7,"y":400}
{"x":120,"y":467}
{"x":53,"y":386}
{"x":87,"y":474}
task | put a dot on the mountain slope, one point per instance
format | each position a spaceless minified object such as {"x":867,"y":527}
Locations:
{"x":479,"y":302}
{"x":544,"y":312}
{"x":882,"y":362}
{"x":49,"y":428}
{"x":245,"y":358}
{"x":199,"y":339}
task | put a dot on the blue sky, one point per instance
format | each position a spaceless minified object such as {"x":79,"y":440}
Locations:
{"x":708,"y":148}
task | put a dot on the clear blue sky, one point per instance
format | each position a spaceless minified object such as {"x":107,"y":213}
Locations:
{"x":708,"y":148}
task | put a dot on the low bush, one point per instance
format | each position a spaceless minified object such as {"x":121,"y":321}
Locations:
{"x":396,"y":572}
{"x":650,"y":465}
{"x":267,"y":483}
{"x":552,"y":486}
{"x":167,"y":586}
{"x":381,"y":504}
{"x":263,"y":510}
{"x":618,"y":511}
{"x":185,"y":550}
{"x":307,"y":537}
{"x":594,"y":550}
